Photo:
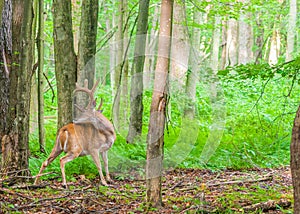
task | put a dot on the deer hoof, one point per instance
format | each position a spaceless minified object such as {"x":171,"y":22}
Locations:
{"x":65,"y":186}
{"x":109,"y":180}
{"x":104,"y":183}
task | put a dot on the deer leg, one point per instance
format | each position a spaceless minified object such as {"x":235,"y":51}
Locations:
{"x":54,"y":153}
{"x":105,"y":160}
{"x":95,"y":156}
{"x":65,"y":159}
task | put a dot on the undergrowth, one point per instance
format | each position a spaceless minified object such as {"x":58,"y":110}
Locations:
{"x":255,"y":131}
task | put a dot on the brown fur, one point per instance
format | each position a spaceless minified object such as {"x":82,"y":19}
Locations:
{"x":82,"y":139}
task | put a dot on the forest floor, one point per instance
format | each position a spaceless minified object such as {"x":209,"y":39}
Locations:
{"x":183,"y":191}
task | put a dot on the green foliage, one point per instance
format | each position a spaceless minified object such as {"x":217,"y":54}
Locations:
{"x":260,"y":109}
{"x":259,"y":114}
{"x":263,"y":71}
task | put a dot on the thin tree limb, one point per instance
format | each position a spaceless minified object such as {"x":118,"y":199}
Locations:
{"x":53,"y":94}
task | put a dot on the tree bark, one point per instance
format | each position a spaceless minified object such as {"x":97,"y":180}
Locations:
{"x":295,"y":161}
{"x":194,"y":62}
{"x":259,"y":41}
{"x":109,"y":27}
{"x":291,"y":30}
{"x":245,"y":41}
{"x":155,"y":138}
{"x":34,"y":86}
{"x":180,"y":46}
{"x":224,"y":46}
{"x":40,"y":47}
{"x":136,"y":91}
{"x":76,"y":14}
{"x":151,"y":44}
{"x":65,"y":60}
{"x":15,"y":141}
{"x":24,"y":84}
{"x":119,"y":66}
{"x":5,"y":61}
{"x":274,"y":46}
{"x":10,"y":70}
{"x":231,"y":43}
{"x":123,"y":119}
{"x":87,"y":49}
{"x":2,"y":3}
{"x":214,"y":57}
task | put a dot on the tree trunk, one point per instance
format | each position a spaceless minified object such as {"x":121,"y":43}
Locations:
{"x":155,"y":138}
{"x":274,"y":47}
{"x":34,"y":105}
{"x":5,"y":61}
{"x":214,"y":57}
{"x":295,"y":161}
{"x":179,"y":49}
{"x":24,"y":84}
{"x":245,"y":39}
{"x":15,"y":141}
{"x":65,"y":60}
{"x":151,"y":44}
{"x":291,"y":30}
{"x":40,"y":47}
{"x":34,"y":86}
{"x":76,"y":5}
{"x":5,"y":33}
{"x":136,"y":91}
{"x":2,"y":2}
{"x":87,"y":49}
{"x":119,"y":66}
{"x":109,"y":24}
{"x":180,"y":46}
{"x":194,"y":62}
{"x":123,"y":120}
{"x":224,"y":46}
{"x":231,"y":43}
{"x":259,"y":41}
{"x":10,"y":78}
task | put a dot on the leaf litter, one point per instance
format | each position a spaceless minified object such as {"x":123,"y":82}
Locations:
{"x":183,"y":191}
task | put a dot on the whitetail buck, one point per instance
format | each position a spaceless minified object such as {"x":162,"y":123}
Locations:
{"x":92,"y":133}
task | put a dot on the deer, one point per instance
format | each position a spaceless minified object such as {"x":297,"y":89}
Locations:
{"x":92,"y":133}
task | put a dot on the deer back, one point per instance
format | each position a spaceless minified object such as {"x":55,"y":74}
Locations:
{"x":91,"y":139}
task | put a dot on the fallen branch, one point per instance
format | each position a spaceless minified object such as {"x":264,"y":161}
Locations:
{"x":176,"y":185}
{"x":13,"y":172}
{"x":268,"y":205}
{"x":267,"y":178}
{"x":11,"y":192}
{"x":47,"y":173}
{"x":31,"y":187}
{"x":14,"y":178}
